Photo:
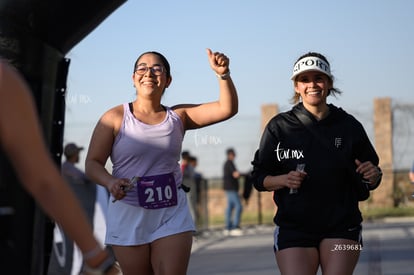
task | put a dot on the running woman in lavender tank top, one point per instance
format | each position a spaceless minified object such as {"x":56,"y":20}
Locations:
{"x":149,"y":224}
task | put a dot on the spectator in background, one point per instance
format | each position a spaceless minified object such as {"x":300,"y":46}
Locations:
{"x":185,"y":155}
{"x":247,"y":187}
{"x":231,"y":187}
{"x":184,"y":160}
{"x":85,"y":191}
{"x":195,"y":189}
{"x":189,"y":182}
{"x":411,"y":176}
{"x":81,"y":185}
{"x":197,"y":177}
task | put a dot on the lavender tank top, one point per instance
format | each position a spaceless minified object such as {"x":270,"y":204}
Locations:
{"x":147,"y":150}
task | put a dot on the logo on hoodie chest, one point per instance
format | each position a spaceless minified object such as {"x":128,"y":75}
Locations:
{"x":288,"y":153}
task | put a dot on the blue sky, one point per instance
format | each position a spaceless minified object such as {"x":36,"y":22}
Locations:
{"x":368,"y":43}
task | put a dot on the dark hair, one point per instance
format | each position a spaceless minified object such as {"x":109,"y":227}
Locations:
{"x":334,"y":91}
{"x":163,"y":60}
{"x":185,"y":154}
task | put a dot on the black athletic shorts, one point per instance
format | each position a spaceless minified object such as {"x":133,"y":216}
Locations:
{"x":287,"y":238}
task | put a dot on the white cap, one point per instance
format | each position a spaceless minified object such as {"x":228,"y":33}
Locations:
{"x":311,"y":63}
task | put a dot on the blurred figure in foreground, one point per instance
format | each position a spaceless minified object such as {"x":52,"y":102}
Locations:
{"x":21,"y":139}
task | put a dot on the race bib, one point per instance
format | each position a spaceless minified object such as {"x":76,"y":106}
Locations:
{"x":156,"y":192}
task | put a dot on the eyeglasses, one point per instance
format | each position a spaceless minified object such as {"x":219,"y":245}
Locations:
{"x":155,"y":70}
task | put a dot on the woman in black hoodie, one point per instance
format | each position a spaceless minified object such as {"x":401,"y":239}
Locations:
{"x":319,"y":162}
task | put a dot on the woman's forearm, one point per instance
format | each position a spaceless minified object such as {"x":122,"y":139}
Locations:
{"x":273,"y":183}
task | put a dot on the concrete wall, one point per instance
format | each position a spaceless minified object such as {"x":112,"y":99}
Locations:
{"x":383,"y":195}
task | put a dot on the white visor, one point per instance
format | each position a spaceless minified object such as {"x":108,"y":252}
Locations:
{"x":311,"y":63}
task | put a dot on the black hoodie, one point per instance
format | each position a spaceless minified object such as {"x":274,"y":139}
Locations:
{"x":327,"y":199}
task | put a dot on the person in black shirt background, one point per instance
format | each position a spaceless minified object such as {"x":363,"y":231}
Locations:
{"x":231,"y":187}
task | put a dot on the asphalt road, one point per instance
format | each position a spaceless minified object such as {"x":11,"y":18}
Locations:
{"x":388,"y":250}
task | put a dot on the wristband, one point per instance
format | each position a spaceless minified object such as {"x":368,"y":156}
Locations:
{"x":223,"y":76}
